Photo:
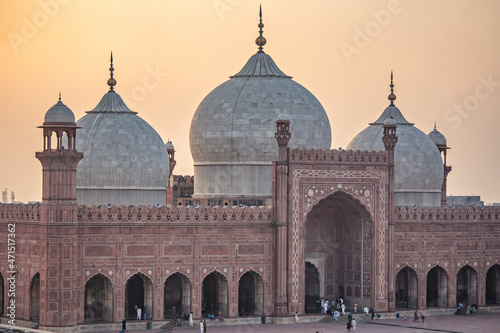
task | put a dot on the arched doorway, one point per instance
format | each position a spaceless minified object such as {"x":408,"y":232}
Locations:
{"x":493,"y":285}
{"x":98,"y":299}
{"x":338,"y":229}
{"x":138,"y":293}
{"x":35,"y":297}
{"x":312,"y":287}
{"x":250,"y":294}
{"x":406,"y":289}
{"x":467,"y":285}
{"x":176,"y":296}
{"x":437,"y":288}
{"x":215,"y":294}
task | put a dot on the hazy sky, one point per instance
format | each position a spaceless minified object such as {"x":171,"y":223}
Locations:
{"x":170,"y":54}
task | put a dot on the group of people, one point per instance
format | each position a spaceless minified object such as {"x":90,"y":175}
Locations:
{"x":324,"y":307}
{"x":468,"y":310}
{"x":141,"y":314}
{"x":351,"y":323}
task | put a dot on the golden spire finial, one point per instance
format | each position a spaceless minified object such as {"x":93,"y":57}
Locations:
{"x":392,"y":97}
{"x":111,"y":80}
{"x":260,"y":41}
{"x":59,"y":95}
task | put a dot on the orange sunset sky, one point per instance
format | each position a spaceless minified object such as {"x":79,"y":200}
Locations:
{"x":168,"y":55}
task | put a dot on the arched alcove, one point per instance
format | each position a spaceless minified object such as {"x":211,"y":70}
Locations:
{"x":35,"y":298}
{"x":98,"y":299}
{"x":493,"y":285}
{"x":138,"y":293}
{"x":406,"y":289}
{"x":177,"y":296}
{"x":467,"y":285}
{"x":214,"y":294}
{"x":250,"y":294}
{"x":437,"y":288}
{"x":312,"y":287}
{"x":338,"y":230}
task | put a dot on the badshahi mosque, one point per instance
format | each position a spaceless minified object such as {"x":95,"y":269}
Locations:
{"x":275,"y":218}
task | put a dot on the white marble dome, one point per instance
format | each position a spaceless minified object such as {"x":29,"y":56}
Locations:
{"x":125,"y":161}
{"x":418,"y":164}
{"x":232,"y":132}
{"x":59,"y":113}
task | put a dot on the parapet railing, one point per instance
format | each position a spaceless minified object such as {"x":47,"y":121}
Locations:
{"x":174,"y":214}
{"x":448,"y":214}
{"x":338,"y":156}
{"x":19,"y":212}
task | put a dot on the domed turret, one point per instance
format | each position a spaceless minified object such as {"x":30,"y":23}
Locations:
{"x":437,"y":137}
{"x":59,"y":113}
{"x":418,"y":164}
{"x":125,"y":161}
{"x":232,"y":132}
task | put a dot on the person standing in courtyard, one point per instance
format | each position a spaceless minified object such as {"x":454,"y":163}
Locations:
{"x":124,"y":324}
{"x":190,"y":319}
{"x":355,"y":307}
{"x":201,"y":327}
{"x":204,"y":326}
{"x":373,"y":312}
{"x":343,"y":309}
{"x":415,"y":317}
{"x":354,"y":323}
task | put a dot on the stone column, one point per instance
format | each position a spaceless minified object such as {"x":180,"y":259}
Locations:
{"x":280,"y":203}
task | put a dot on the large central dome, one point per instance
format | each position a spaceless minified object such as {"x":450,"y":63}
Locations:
{"x":232,"y":132}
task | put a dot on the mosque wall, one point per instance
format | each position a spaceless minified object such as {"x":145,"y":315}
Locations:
{"x":120,"y":242}
{"x":451,"y":240}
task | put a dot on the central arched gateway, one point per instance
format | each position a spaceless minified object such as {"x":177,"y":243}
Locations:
{"x":138,"y":294}
{"x":338,"y":243}
{"x":215,"y":294}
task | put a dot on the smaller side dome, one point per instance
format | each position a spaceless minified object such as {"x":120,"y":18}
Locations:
{"x":438,"y":138}
{"x":59,"y":113}
{"x":169,"y":145}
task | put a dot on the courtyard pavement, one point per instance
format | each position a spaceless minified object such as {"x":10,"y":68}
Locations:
{"x":483,"y":323}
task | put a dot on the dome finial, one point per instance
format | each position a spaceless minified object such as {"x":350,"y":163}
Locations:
{"x":111,"y":80}
{"x":260,"y":41}
{"x":434,"y":125}
{"x":59,"y":95}
{"x":392,"y":97}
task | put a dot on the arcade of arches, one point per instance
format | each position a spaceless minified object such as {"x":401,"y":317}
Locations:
{"x":337,"y":237}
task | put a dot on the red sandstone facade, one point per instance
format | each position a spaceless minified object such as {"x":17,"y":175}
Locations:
{"x":333,"y":231}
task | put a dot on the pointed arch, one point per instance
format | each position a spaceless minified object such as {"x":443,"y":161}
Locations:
{"x":176,"y":296}
{"x":214,"y":294}
{"x":35,"y":297}
{"x":98,"y":299}
{"x":437,"y":287}
{"x":138,"y":294}
{"x":406,"y":288}
{"x":493,"y":285}
{"x":339,"y":230}
{"x":467,"y":285}
{"x":251,"y":294}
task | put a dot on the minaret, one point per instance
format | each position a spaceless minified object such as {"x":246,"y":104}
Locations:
{"x":58,"y":231}
{"x":390,"y":140}
{"x":59,"y":158}
{"x":440,"y":141}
